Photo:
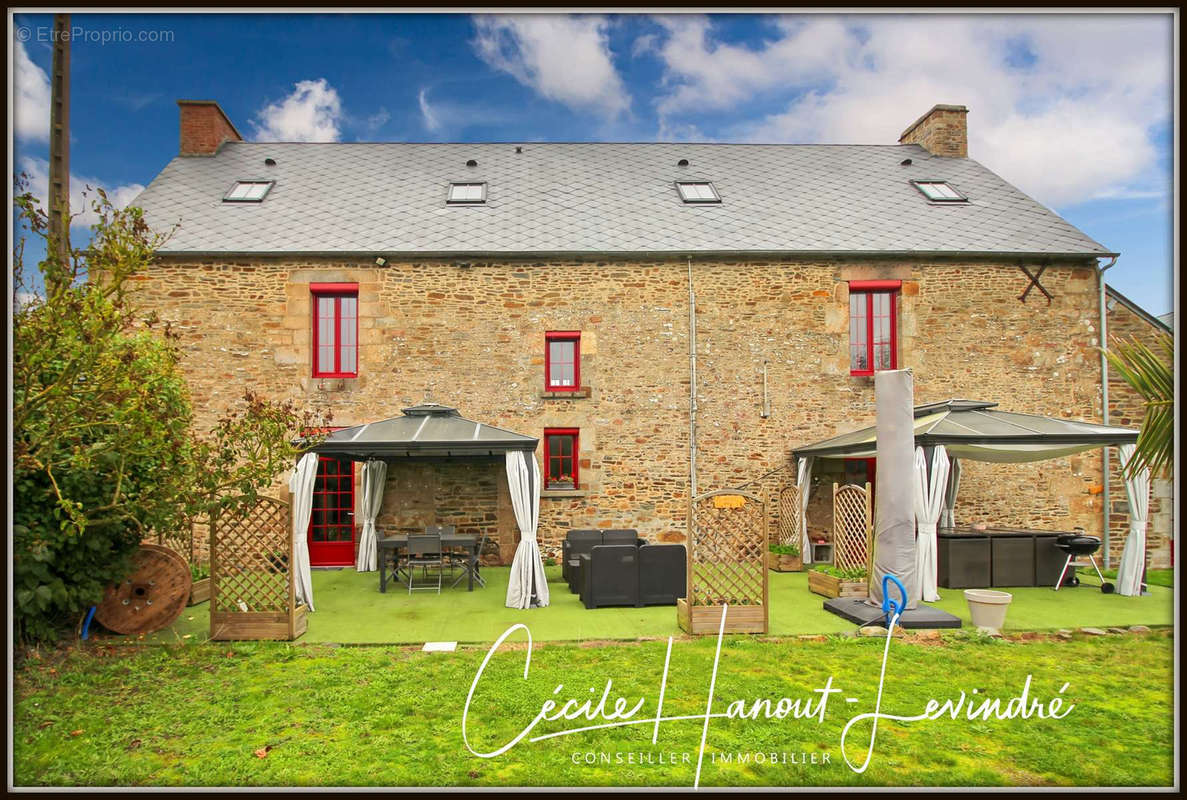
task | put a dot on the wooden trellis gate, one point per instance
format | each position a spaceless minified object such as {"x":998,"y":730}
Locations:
{"x":853,"y":526}
{"x":727,"y":564}
{"x":252,"y":593}
{"x":790,"y":513}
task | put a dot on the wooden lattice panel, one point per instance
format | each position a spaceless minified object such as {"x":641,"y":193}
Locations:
{"x":851,"y":525}
{"x":790,"y":523}
{"x":727,"y":551}
{"x":250,"y":560}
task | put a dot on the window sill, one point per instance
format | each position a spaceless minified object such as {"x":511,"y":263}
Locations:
{"x":332,"y":384}
{"x":584,"y":391}
{"x":561,"y":493}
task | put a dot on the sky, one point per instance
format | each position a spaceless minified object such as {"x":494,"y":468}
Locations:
{"x":1074,"y":109}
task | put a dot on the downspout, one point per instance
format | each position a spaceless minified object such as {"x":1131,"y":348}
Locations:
{"x":1104,"y":402}
{"x":692,"y":390}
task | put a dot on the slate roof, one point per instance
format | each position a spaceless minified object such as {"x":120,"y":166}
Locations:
{"x":389,"y":198}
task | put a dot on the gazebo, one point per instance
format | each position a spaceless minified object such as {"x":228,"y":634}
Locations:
{"x":946,"y":433}
{"x":431,"y":432}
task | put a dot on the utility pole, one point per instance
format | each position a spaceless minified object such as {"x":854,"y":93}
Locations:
{"x":59,"y":140}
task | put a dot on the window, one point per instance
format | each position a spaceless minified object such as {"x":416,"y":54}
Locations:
{"x":335,"y":330}
{"x":562,"y":361}
{"x":560,"y":456}
{"x":873,"y":323}
{"x":939,"y":192}
{"x":247,"y":191}
{"x":466,"y":193}
{"x":698,"y":192}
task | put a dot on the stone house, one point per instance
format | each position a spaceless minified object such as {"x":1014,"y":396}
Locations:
{"x":545,"y":288}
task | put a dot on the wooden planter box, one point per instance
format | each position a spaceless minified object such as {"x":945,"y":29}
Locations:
{"x":706,"y":620}
{"x":830,"y":586}
{"x":785,"y":563}
{"x":199,"y":592}
{"x":236,"y":625}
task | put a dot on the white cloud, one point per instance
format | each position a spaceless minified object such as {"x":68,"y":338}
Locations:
{"x":563,"y":58}
{"x":312,"y":113}
{"x":82,"y":191}
{"x":1060,"y":105}
{"x":431,"y":121}
{"x":31,"y":97}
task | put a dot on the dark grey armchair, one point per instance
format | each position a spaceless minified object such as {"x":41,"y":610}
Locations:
{"x":663,"y":574}
{"x":609,"y":576}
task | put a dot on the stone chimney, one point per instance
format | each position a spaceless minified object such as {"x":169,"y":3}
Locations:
{"x":943,"y":131}
{"x":204,"y":128}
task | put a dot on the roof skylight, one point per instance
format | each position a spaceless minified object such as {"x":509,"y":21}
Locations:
{"x":698,"y":192}
{"x":939,"y":192}
{"x":466,"y":193}
{"x":248,"y":191}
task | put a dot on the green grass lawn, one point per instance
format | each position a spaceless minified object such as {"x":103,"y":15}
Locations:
{"x":267,"y":714}
{"x":351,"y":610}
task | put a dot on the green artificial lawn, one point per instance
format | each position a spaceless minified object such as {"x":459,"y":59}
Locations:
{"x":351,"y":610}
{"x":1154,"y":577}
{"x":268,"y":714}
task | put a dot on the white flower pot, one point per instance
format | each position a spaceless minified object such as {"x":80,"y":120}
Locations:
{"x":988,"y":608}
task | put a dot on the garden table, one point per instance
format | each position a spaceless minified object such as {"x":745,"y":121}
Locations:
{"x":393,"y":544}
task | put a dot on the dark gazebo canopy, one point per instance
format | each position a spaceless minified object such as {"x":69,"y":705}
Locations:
{"x":977,"y":431}
{"x":428,"y":429}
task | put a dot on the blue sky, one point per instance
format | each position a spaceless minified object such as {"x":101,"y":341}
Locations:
{"x":1074,"y":109}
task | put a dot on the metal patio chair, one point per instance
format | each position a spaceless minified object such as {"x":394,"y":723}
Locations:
{"x":424,"y":551}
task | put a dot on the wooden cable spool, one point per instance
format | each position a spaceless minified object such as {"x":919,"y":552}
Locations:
{"x":151,"y":597}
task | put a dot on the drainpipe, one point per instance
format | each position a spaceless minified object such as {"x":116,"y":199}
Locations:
{"x":692,"y":389}
{"x":1104,"y":399}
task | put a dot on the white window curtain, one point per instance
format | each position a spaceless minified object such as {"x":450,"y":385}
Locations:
{"x":948,"y":515}
{"x":803,"y":482}
{"x":930,"y":493}
{"x":301,"y":486}
{"x":527,"y":585}
{"x":374,"y":477}
{"x":1133,"y":556}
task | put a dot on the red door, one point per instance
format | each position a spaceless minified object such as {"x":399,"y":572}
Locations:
{"x":331,"y":525}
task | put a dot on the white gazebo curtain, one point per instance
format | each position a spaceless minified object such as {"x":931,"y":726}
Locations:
{"x":1133,"y":556}
{"x":301,"y":486}
{"x":374,"y":475}
{"x":930,"y":495}
{"x":803,"y":481}
{"x":948,"y":515}
{"x":527,"y":585}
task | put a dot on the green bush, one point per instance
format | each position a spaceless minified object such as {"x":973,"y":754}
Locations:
{"x":104,"y":451}
{"x":792,"y":549}
{"x":851,"y":574}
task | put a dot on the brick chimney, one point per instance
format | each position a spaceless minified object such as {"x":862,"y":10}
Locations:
{"x":943,"y":131}
{"x":204,"y":128}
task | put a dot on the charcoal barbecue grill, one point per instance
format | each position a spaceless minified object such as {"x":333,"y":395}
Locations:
{"x":1079,"y":549}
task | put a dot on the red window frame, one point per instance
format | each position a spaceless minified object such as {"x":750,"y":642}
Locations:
{"x":869,"y":289}
{"x":556,"y":433}
{"x":338,"y":291}
{"x":562,"y":336}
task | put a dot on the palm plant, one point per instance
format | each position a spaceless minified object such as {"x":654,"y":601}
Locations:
{"x":1150,"y":372}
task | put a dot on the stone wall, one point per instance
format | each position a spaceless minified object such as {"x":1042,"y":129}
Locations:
{"x":472,"y":336}
{"x":1127,"y":410}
